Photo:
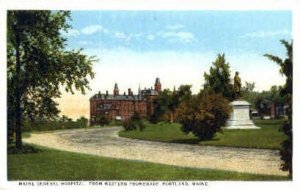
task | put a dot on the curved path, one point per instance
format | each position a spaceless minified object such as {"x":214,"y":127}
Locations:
{"x":106,"y":142}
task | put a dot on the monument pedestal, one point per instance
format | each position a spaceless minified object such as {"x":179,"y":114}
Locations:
{"x":240,"y":116}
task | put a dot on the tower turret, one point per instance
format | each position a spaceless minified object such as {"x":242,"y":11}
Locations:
{"x":140,"y":93}
{"x":157,"y":85}
{"x":116,"y":90}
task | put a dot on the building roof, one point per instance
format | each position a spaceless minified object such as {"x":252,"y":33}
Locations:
{"x":150,"y":92}
{"x":117,"y":97}
{"x":140,"y":96}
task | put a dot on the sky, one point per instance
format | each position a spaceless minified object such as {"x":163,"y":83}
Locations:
{"x":135,"y":47}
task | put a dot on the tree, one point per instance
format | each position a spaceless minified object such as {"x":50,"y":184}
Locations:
{"x":161,"y":105}
{"x":38,"y":64}
{"x":103,"y":120}
{"x":248,"y":93}
{"x":249,"y":87}
{"x":263,"y":101}
{"x":134,"y":123}
{"x":167,"y":102}
{"x":65,"y":118}
{"x":286,"y":68}
{"x":276,"y":96}
{"x":218,"y":78}
{"x":263,"y":104}
{"x":82,"y":121}
{"x":204,"y":115}
{"x":178,"y":96}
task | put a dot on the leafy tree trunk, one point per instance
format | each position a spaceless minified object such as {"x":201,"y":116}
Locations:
{"x":38,"y":64}
{"x":18,"y":113}
{"x":286,"y":68}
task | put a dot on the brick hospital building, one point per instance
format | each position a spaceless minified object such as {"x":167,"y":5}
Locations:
{"x":123,"y":106}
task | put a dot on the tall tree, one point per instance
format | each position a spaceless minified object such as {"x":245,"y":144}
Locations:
{"x":218,"y":78}
{"x":177,"y":97}
{"x":249,"y":87}
{"x":38,"y":65}
{"x":168,"y":102}
{"x":161,"y":105}
{"x":286,"y":68}
{"x":248,"y":93}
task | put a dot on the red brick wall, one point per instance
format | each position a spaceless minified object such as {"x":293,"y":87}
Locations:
{"x":123,"y":108}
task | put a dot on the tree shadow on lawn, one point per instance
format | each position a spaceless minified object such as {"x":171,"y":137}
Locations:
{"x":191,"y":141}
{"x":26,"y":149}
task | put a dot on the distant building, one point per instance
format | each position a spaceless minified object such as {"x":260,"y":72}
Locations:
{"x":271,"y":110}
{"x":278,"y":110}
{"x":122,"y":107}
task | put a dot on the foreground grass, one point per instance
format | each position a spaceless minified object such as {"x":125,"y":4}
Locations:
{"x":50,"y":164}
{"x":268,"y":136}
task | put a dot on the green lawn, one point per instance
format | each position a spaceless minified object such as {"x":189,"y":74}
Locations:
{"x":268,"y":136}
{"x":50,"y":164}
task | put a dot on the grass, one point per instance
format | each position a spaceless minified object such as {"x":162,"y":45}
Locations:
{"x":50,"y":164}
{"x":268,"y":137}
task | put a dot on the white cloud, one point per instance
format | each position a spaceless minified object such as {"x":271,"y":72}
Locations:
{"x":83,"y":42}
{"x":71,"y":32}
{"x":186,"y":37}
{"x":150,"y":37}
{"x":93,"y":29}
{"x":175,"y":27}
{"x":171,"y":34}
{"x":127,"y":37}
{"x":120,"y":35}
{"x":136,"y":35}
{"x":264,"y":34}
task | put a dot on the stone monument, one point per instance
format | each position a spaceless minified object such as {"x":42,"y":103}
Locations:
{"x":240,"y":116}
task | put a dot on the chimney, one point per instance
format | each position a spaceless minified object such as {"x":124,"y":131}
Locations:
{"x":129,"y":92}
{"x":106,"y":94}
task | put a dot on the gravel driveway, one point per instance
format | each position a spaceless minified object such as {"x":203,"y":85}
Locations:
{"x":106,"y":142}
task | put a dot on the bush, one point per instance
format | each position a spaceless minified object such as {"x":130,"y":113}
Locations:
{"x":134,"y":123}
{"x":128,"y":125}
{"x":103,"y":120}
{"x":204,"y":115}
{"x":115,"y":123}
{"x":82,"y":122}
{"x":42,"y":124}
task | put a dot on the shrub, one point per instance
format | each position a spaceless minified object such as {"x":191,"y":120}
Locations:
{"x":103,"y":120}
{"x":115,"y":123}
{"x":129,"y":125}
{"x":82,"y":122}
{"x":134,"y":123}
{"x":42,"y":124}
{"x":204,"y":115}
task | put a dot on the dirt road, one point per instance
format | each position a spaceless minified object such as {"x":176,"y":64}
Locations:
{"x":106,"y":142}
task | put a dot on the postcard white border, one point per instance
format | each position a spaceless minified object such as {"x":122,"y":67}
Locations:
{"x":290,"y":5}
